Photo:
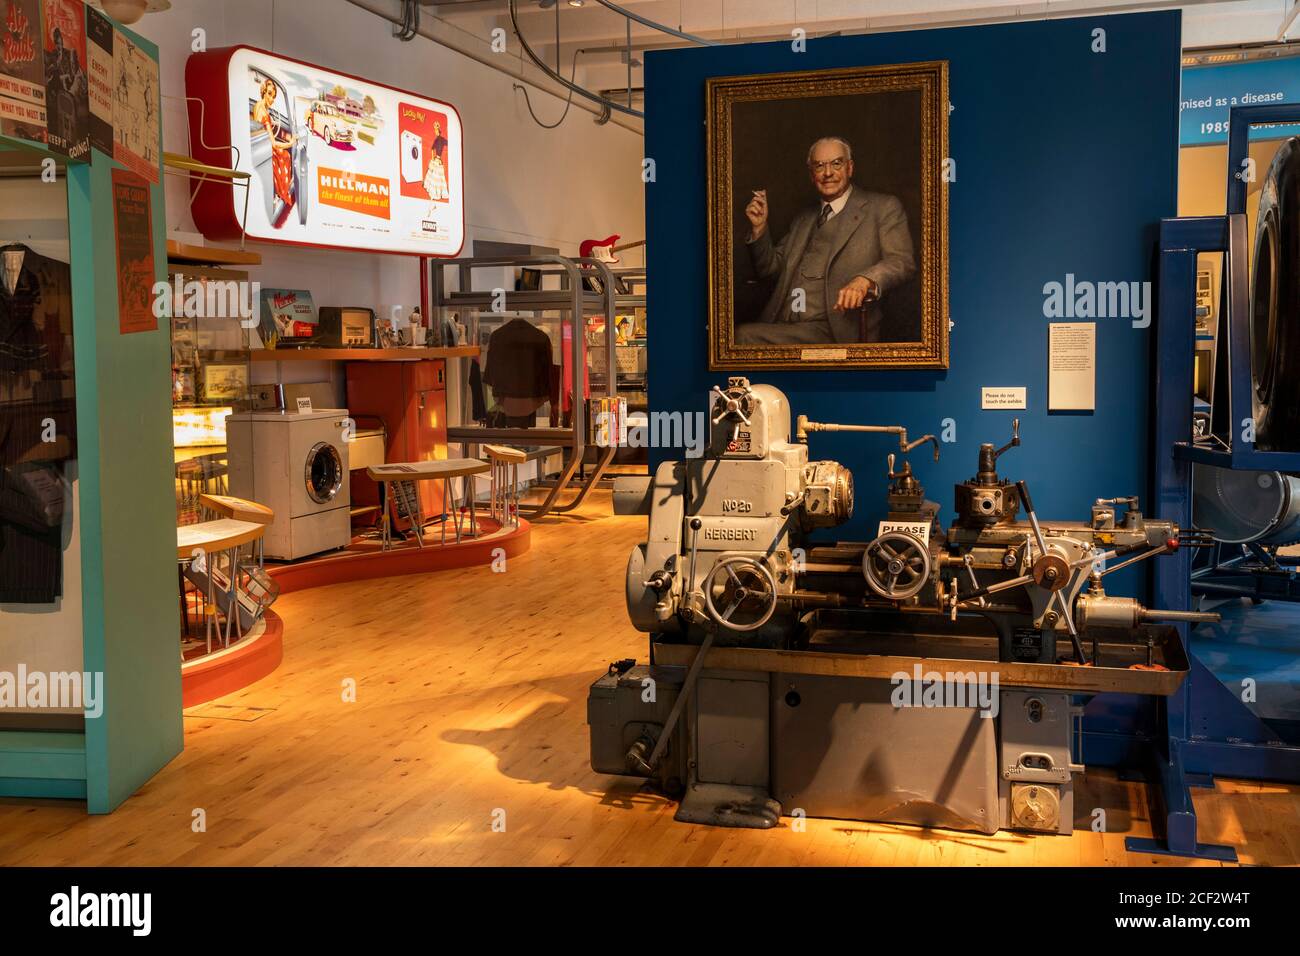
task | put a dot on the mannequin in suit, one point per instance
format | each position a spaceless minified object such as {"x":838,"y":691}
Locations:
{"x":37,"y":434}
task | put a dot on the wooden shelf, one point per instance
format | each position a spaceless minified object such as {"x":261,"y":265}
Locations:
{"x":362,"y":355}
{"x":210,"y":255}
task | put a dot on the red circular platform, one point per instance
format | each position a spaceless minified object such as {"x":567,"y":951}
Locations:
{"x":233,"y":668}
{"x":252,"y":658}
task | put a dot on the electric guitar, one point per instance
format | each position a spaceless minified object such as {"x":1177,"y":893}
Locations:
{"x":604,"y":249}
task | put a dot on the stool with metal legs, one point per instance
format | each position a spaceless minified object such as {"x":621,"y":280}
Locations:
{"x":457,"y":509}
{"x":504,"y":506}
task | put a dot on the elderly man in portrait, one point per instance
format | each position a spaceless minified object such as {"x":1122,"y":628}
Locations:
{"x":836,"y":261}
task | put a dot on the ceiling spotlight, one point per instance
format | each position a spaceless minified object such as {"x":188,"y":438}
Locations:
{"x":576,"y":3}
{"x":129,"y":11}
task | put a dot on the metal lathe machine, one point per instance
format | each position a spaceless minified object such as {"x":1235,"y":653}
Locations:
{"x":928,"y":676}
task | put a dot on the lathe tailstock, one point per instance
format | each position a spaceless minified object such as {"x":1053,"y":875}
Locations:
{"x":927,"y":676}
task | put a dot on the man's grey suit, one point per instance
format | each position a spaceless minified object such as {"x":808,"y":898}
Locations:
{"x":869,"y":237}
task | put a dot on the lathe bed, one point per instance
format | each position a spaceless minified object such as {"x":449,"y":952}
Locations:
{"x":848,"y":643}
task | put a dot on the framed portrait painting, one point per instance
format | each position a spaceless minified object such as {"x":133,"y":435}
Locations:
{"x":828,"y":218}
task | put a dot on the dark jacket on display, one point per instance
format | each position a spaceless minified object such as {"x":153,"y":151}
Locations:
{"x":37,"y":426}
{"x":519,"y":367}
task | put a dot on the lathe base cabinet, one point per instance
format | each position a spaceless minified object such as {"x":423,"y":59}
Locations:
{"x":752,"y":746}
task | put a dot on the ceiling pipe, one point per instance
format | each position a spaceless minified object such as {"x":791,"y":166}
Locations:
{"x":500,"y":62}
{"x":608,"y":106}
{"x":659,"y":27}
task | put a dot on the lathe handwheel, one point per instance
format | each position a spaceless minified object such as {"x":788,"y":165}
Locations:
{"x":896,"y":565}
{"x":745,"y":586}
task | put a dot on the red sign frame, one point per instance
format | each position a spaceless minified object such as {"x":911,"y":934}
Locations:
{"x":216,"y":202}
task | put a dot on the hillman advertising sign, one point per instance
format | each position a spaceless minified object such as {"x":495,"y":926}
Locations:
{"x":335,"y":161}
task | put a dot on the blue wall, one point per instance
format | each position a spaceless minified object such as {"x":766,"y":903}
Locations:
{"x":1066,"y":162}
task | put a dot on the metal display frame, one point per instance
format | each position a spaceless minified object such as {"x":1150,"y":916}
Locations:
{"x":627,"y":383}
{"x":1208,"y":731}
{"x":574,"y":303}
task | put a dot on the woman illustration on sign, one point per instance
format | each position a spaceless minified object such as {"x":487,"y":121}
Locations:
{"x":435,"y":180}
{"x":281,"y":159}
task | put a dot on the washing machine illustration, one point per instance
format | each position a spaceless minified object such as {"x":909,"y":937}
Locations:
{"x":412,"y":157}
{"x":296,"y":463}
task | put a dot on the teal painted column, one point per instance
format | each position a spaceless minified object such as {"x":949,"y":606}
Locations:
{"x":125,"y":466}
{"x":131,"y":622}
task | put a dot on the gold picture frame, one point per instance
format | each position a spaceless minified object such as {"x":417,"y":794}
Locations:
{"x":745,"y":108}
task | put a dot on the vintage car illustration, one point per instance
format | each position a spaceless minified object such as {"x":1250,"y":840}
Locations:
{"x":329,"y":123}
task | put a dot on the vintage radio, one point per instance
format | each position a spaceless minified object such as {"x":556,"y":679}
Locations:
{"x":346,"y":327}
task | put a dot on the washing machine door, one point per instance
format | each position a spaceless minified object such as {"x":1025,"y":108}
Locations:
{"x":324,"y":473}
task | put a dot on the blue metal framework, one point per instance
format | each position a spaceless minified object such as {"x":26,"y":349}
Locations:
{"x":1208,"y":730}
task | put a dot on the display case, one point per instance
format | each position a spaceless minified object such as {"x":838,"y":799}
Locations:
{"x":112,"y":624}
{"x":532,"y":388}
{"x":630,"y":362}
{"x":39,"y":539}
{"x":212,"y":334}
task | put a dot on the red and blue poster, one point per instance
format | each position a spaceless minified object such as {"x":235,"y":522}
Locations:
{"x":22,"y":71}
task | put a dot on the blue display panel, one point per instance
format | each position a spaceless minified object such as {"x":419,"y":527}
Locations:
{"x":1210,"y":91}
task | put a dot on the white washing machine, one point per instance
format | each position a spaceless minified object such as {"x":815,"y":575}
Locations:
{"x":295,"y":463}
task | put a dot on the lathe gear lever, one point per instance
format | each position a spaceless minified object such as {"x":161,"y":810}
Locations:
{"x":1047,"y":572}
{"x":1014,"y":443}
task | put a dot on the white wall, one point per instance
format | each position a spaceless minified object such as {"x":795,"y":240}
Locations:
{"x":1242,"y":21}
{"x":522,"y":183}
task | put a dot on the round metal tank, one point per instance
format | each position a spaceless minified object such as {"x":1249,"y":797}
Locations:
{"x":1244,"y":507}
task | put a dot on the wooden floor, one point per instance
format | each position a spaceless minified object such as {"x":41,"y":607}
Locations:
{"x":470,"y":707}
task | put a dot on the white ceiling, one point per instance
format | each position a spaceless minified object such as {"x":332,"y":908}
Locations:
{"x":601,"y":34}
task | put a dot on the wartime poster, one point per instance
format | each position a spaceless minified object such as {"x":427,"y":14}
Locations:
{"x":22,"y":70}
{"x":135,"y":108}
{"x":66,"y":87}
{"x":133,"y":221}
{"x":99,"y":70}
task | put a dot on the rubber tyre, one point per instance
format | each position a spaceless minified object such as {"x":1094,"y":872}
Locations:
{"x":1275,"y":305}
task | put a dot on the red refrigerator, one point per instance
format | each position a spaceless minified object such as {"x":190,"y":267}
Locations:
{"x":410,"y":398}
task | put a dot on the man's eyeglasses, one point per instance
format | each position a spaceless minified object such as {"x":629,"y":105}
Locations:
{"x":835,"y":164}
